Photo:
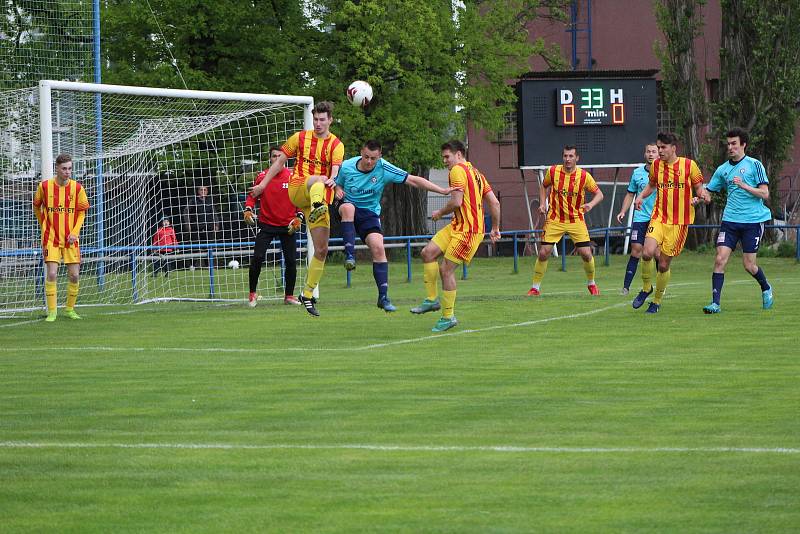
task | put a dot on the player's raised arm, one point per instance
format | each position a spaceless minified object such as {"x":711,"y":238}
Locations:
{"x":422,"y":183}
{"x":274,"y":169}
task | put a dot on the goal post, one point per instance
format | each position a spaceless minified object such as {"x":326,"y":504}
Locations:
{"x":148,"y":158}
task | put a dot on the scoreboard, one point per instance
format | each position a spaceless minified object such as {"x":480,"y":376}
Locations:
{"x":608,"y":119}
{"x":591,"y":106}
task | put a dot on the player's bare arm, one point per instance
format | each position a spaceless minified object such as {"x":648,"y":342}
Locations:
{"x":626,"y":204}
{"x":456,"y":199}
{"x":330,"y":181}
{"x":274,"y":169}
{"x":422,"y":183}
{"x":542,"y":199}
{"x":493,"y":204}
{"x":596,"y":199}
{"x":702,"y":194}
{"x":762,"y":191}
{"x":646,"y":192}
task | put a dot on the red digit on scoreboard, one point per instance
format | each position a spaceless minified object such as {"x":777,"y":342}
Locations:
{"x":568,"y":113}
{"x":617,"y":114}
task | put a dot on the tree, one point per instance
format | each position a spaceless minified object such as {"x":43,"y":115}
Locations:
{"x":681,"y":22}
{"x":231,"y":45}
{"x":759,"y":80}
{"x":433,"y":65}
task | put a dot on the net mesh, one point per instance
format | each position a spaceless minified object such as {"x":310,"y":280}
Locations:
{"x":142,"y":159}
{"x":45,"y":39}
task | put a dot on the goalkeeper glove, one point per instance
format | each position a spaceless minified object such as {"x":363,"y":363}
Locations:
{"x":249,"y":218}
{"x":294,"y":225}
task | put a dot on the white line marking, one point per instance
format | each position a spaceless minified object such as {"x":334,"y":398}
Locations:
{"x":324,"y":349}
{"x":396,"y":448}
{"x":21,"y":322}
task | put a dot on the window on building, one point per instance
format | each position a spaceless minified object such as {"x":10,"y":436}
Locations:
{"x":664,"y":121}
{"x":508,"y":134}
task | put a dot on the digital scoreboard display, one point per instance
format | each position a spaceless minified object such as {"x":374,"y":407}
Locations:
{"x":590,"y":106}
{"x":609,"y":119}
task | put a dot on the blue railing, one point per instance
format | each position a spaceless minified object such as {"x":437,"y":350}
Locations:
{"x":135,"y":253}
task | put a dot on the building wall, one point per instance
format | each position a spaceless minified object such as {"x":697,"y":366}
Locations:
{"x":624,"y":33}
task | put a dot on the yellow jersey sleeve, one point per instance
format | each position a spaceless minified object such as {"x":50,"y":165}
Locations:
{"x":457,"y":177}
{"x":291,"y":145}
{"x":695,"y":176}
{"x":338,"y":154}
{"x":590,"y":185}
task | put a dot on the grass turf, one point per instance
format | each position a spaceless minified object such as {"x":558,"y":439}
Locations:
{"x":561,"y":413}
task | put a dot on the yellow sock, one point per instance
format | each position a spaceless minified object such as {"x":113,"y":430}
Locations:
{"x":448,"y":303}
{"x":588,"y":268}
{"x":72,"y":294}
{"x":317,"y":192}
{"x":662,"y":279}
{"x":50,"y":291}
{"x":647,"y":274}
{"x":538,"y":272}
{"x":430,"y":273}
{"x":315,"y":269}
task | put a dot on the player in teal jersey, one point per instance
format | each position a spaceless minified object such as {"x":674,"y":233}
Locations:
{"x":743,"y":219}
{"x":359,"y":188}
{"x":641,"y":217}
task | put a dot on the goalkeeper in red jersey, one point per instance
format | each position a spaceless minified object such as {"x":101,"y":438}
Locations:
{"x":277,"y":217}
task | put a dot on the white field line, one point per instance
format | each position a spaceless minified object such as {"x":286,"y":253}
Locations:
{"x":22,"y":322}
{"x":322,"y":349}
{"x":399,"y":448}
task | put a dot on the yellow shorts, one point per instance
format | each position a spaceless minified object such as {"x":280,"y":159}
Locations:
{"x":670,"y":237}
{"x":555,"y":230}
{"x":298,"y":195}
{"x":458,"y":247}
{"x":56,"y":254}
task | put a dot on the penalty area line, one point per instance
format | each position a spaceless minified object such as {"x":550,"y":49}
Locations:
{"x":399,"y":448}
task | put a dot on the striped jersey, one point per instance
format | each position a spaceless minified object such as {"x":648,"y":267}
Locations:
{"x":314,"y":156}
{"x":468,"y":218}
{"x":674,"y":183}
{"x":60,"y":210}
{"x":568,"y":193}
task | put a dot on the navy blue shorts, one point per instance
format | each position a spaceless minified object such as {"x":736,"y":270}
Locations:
{"x":749,"y":234}
{"x":367,"y":222}
{"x":638,"y":231}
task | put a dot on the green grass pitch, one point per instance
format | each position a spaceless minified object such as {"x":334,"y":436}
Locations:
{"x":564,"y":413}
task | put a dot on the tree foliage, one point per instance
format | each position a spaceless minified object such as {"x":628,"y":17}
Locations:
{"x":759,"y":80}
{"x":681,"y":23}
{"x":433,"y":64}
{"x":231,"y":45}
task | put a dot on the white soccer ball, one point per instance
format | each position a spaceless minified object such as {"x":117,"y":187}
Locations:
{"x":359,"y":93}
{"x":233,"y":264}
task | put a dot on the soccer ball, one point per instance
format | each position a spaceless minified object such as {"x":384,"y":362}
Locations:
{"x":233,"y":264}
{"x":359,"y":93}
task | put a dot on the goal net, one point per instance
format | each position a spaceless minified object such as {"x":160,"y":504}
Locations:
{"x":148,"y":158}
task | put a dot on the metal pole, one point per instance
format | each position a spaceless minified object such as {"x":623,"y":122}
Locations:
{"x":100,"y":190}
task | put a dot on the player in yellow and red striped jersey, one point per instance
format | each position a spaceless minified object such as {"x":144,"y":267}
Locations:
{"x":319,"y":154}
{"x":60,"y":205}
{"x":674,"y":178}
{"x":564,"y":208}
{"x":459,"y":240}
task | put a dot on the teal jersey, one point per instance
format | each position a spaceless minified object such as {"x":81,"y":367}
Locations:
{"x":742,"y":207}
{"x":365,"y":189}
{"x":639,"y":180}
